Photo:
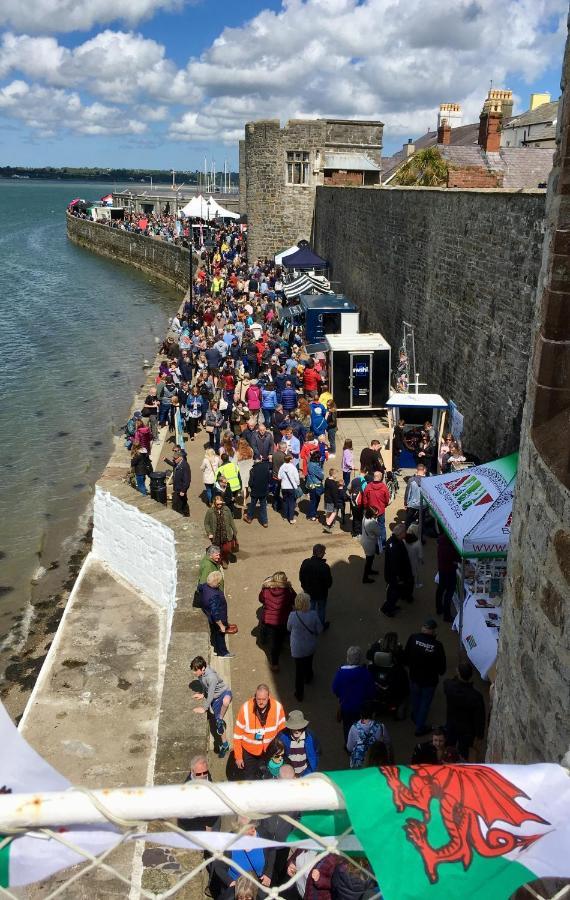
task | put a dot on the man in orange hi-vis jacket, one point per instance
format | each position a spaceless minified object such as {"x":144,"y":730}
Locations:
{"x":259,"y":720}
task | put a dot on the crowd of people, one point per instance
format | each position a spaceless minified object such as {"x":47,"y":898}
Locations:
{"x":231,"y":375}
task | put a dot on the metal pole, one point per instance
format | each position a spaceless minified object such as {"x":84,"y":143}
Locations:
{"x":461,"y":601}
{"x":315,"y":792}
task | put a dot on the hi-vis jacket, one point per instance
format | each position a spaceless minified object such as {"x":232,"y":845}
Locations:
{"x":250,"y":734}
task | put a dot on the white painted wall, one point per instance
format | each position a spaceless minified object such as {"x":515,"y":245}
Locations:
{"x":136,"y":547}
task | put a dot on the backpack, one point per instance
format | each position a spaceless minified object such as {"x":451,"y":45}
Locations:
{"x":198,"y":601}
{"x":366,"y":737}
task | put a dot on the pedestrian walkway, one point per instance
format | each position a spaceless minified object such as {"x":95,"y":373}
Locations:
{"x":353,"y":607}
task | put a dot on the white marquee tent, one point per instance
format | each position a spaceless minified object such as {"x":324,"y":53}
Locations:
{"x":207,"y":208}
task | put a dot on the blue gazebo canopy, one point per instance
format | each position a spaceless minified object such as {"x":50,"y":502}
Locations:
{"x":304,"y":258}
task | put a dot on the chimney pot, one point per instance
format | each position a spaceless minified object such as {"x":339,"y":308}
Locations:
{"x":409,"y":148}
{"x":490,"y":131}
{"x":444,"y":132}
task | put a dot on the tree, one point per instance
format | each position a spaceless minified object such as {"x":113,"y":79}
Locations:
{"x":426,"y":168}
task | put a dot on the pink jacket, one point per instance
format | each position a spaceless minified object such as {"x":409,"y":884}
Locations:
{"x":143,"y":436}
{"x":253,"y":397}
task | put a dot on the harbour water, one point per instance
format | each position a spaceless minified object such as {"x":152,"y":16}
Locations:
{"x":75,"y":330}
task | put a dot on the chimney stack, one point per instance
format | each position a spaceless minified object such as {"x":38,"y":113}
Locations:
{"x":444,"y":132}
{"x":490,"y":131}
{"x":409,"y":148}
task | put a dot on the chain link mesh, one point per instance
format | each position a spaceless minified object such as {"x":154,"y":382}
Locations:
{"x":157,"y":871}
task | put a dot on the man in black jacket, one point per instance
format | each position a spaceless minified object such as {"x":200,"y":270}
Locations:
{"x":425,"y":658}
{"x":316,"y":580}
{"x":465,"y":710}
{"x":397,"y":571}
{"x":258,"y":490}
{"x":180,"y":483}
{"x":262,"y":443}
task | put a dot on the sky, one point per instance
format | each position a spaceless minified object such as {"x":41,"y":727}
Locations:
{"x":166,"y":83}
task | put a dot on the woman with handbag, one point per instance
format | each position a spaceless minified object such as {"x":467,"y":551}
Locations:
{"x":213,"y":421}
{"x":277,"y":597}
{"x":315,"y":484}
{"x":290,"y":482}
{"x":193,"y":412}
{"x":305,"y":626}
{"x":209,"y":469}
{"x":220,"y":528}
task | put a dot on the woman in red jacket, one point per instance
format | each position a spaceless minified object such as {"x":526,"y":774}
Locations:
{"x":277,"y":597}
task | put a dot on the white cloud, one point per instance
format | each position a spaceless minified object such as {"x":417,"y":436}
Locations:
{"x":115,"y":65}
{"x":51,"y":110}
{"x":39,"y":16}
{"x":394,"y":60}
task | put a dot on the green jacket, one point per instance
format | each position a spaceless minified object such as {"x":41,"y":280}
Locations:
{"x":210,"y":522}
{"x":207,"y":566}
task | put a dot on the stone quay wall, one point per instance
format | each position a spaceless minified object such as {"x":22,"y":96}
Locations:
{"x":158,"y":258}
{"x":462,"y":268}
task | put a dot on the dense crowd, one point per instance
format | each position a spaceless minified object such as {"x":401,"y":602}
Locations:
{"x":161,"y":225}
{"x":233,"y":373}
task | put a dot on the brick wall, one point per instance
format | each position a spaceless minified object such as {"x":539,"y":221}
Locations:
{"x":159,"y":258}
{"x":462,"y":267}
{"x":474,"y":177}
{"x":350,"y":179}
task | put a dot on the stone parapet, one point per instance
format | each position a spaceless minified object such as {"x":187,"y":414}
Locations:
{"x":159,"y":258}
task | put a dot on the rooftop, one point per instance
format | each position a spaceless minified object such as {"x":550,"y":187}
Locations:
{"x":546,"y":113}
{"x":521,"y":167}
{"x":351,"y":162}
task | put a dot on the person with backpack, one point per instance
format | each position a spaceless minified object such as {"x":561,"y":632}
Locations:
{"x":412,"y":497}
{"x":365,"y":732}
{"x":355,"y":497}
{"x":315,"y":484}
{"x":210,"y":598}
{"x":130,"y":429}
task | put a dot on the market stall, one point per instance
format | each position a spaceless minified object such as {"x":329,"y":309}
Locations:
{"x":415,"y":409}
{"x":359,"y":370}
{"x":474,"y":508}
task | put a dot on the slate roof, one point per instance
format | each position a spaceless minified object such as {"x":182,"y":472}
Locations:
{"x":465,"y":135}
{"x":545,"y":113}
{"x":350,"y":162}
{"x":522,"y":167}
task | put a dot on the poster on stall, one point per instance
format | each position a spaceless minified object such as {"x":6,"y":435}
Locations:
{"x":455,"y":421}
{"x":474,"y":506}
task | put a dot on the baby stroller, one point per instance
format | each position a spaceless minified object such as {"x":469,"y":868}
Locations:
{"x":392,"y":687}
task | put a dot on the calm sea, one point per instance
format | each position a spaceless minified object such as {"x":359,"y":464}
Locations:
{"x":75,"y":330}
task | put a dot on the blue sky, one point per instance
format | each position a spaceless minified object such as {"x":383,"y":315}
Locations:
{"x":163,"y":83}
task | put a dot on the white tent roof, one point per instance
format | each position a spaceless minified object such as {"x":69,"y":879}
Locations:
{"x":207,"y":208}
{"x":279,"y":256}
{"x":475,"y":505}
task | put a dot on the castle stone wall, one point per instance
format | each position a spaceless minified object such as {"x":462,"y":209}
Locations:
{"x":462,"y":268}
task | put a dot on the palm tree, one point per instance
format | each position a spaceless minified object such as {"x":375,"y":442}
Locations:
{"x":426,"y":168}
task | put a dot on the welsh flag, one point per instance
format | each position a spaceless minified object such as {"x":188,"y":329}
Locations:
{"x":455,"y":831}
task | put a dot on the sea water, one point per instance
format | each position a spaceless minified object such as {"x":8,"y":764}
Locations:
{"x":75,"y":330}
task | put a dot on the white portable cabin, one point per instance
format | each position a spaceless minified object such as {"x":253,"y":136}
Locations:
{"x":359,"y":370}
{"x":415,"y":410}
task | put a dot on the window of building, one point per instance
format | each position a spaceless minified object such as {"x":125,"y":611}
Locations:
{"x":297,"y":167}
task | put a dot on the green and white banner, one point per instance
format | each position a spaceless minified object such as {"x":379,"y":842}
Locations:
{"x":475,"y":506}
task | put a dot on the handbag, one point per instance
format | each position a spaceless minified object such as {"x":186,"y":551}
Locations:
{"x":209,"y":429}
{"x":297,"y":490}
{"x":232,"y":629}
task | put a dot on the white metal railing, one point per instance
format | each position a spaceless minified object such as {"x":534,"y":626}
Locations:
{"x":121,"y":815}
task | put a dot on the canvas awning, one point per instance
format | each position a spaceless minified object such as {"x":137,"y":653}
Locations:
{"x":279,"y":256}
{"x":474,"y":506}
{"x":304,"y":258}
{"x":305,"y":283}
